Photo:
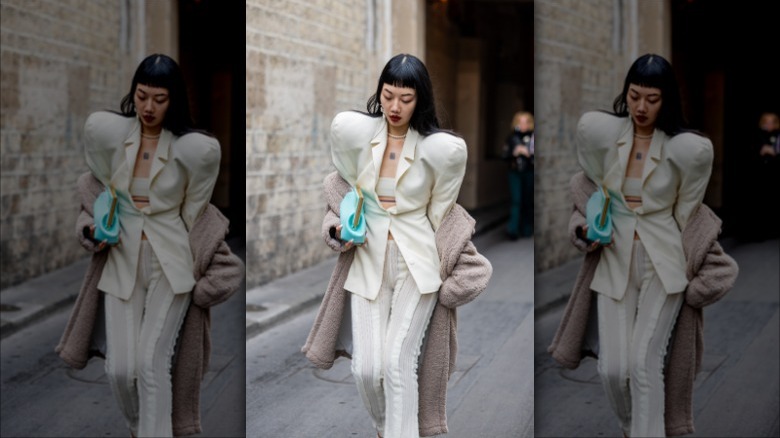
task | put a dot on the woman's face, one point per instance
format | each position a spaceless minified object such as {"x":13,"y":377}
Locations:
{"x":151,"y":104}
{"x":644,"y":103}
{"x":523,"y":123}
{"x":398,"y":105}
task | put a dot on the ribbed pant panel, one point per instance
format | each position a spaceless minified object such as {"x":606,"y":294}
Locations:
{"x":388,"y":334}
{"x":141,"y":335}
{"x":634,"y":334}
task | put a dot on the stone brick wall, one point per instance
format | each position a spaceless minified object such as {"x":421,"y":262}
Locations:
{"x":53,"y":74}
{"x":305,"y":62}
{"x":582,"y":50}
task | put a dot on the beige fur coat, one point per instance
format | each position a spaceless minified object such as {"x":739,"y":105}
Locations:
{"x":464,"y":273}
{"x":711,"y":273}
{"x":218,"y":274}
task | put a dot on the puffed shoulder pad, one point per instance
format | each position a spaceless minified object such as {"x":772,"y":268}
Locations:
{"x":600,"y":129}
{"x":197,"y":151}
{"x":350,"y":128}
{"x":690,"y":152}
{"x":444,"y":150}
{"x":106,"y":128}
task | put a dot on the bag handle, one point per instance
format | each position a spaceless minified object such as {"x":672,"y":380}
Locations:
{"x":113,"y":206}
{"x":604,"y":207}
{"x":356,"y":220}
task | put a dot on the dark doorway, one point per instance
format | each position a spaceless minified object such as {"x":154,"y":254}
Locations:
{"x":212,"y":54}
{"x":481,"y":57}
{"x":727,"y":57}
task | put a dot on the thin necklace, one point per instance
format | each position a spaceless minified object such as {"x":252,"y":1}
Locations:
{"x":397,"y":137}
{"x":643,"y":137}
{"x":151,"y":137}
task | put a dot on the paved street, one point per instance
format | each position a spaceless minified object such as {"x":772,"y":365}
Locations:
{"x":42,"y":397}
{"x":737,"y":394}
{"x":491,"y":394}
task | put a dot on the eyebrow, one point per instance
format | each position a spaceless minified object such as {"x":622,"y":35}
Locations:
{"x":155,"y":95}
{"x":637,"y":92}
{"x":386,"y":90}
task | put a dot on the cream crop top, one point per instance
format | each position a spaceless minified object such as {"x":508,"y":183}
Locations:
{"x":139,"y":189}
{"x":632,"y":190}
{"x":385,"y":189}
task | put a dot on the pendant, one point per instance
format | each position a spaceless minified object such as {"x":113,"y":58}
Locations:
{"x":638,"y":155}
{"x":392,"y":155}
{"x":146,"y":155}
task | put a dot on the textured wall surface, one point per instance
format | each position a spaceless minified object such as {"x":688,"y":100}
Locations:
{"x":305,"y":62}
{"x":582,"y":50}
{"x":53,"y":74}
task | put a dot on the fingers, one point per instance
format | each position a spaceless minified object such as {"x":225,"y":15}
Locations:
{"x":338,"y":232}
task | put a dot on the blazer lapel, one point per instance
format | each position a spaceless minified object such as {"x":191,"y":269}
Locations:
{"x":121,"y":178}
{"x":161,"y":154}
{"x":654,"y":154}
{"x":370,"y":173}
{"x":617,"y":173}
{"x":407,"y":154}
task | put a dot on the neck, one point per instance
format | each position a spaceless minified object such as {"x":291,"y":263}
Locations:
{"x":399,"y":131}
{"x":151,"y":132}
{"x":644,"y":132}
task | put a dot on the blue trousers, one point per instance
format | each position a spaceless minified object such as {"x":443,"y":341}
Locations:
{"x":521,"y":206}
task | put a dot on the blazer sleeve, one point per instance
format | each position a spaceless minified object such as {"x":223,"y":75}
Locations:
{"x":343,"y":147}
{"x":98,"y":143}
{"x":692,"y":155}
{"x":447,"y":161}
{"x":200,"y":155}
{"x":592,"y":143}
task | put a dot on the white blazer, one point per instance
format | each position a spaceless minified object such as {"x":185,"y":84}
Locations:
{"x":674,"y":180}
{"x":428,"y":179}
{"x":182,"y":178}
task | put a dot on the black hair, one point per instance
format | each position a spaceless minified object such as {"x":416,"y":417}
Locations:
{"x":162,"y":71}
{"x":654,"y":71}
{"x":407,"y":71}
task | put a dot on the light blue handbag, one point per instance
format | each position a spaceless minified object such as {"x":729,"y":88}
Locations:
{"x":598,"y":214}
{"x":106,"y":216}
{"x":353,"y":219}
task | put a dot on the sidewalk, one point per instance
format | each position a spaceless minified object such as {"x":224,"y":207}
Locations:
{"x":31,"y":301}
{"x":35,"y":383}
{"x":281,"y":299}
{"x":737,"y":392}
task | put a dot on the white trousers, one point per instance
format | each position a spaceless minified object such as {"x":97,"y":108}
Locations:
{"x":141,"y":335}
{"x":388,"y":334}
{"x":633,"y":336}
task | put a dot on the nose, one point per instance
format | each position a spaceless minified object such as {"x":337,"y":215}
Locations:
{"x":147,"y":106}
{"x":642,"y":106}
{"x":394,"y":106}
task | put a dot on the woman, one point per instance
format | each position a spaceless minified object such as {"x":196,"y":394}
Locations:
{"x":164,"y":174}
{"x":518,"y":149}
{"x":410,"y":173}
{"x":656,"y":173}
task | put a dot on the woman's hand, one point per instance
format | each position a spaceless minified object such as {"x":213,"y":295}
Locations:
{"x":594,"y":244}
{"x":102,"y":245}
{"x":521,"y":150}
{"x":351,"y":243}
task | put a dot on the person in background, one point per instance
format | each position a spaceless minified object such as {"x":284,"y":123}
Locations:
{"x":519,"y":151}
{"x":766,"y":176}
